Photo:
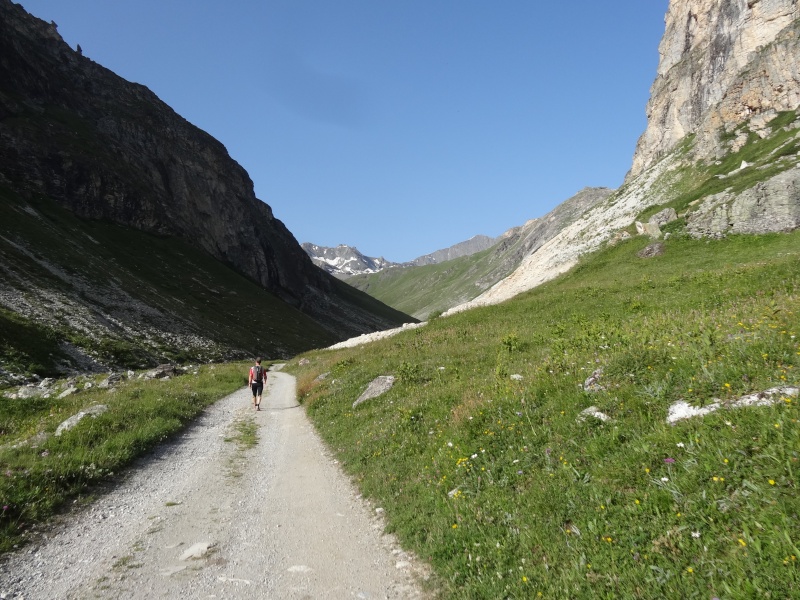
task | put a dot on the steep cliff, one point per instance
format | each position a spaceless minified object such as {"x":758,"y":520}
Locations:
{"x":109,"y":149}
{"x":723,"y":63}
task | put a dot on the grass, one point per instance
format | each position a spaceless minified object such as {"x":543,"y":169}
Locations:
{"x":245,"y":435}
{"x":497,"y":483}
{"x":424,"y":290}
{"x":37,"y":478}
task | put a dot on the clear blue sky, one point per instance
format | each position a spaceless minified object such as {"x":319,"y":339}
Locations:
{"x":399,"y":127}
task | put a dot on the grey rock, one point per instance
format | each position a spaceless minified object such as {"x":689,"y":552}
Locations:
{"x":593,"y":412}
{"x":379,"y":385}
{"x":661,"y":218}
{"x":28,"y":391}
{"x":197,"y":550}
{"x":651,"y":229}
{"x":160,"y":372}
{"x":111,"y":380}
{"x":46,"y":382}
{"x":92,"y":411}
{"x":592,"y":383}
{"x":651,"y":250}
{"x":768,"y":206}
{"x":67,"y":392}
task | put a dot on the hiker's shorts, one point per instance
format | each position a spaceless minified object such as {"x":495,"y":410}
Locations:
{"x":257,"y":387}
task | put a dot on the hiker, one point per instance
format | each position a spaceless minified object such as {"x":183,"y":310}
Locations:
{"x":256,"y":382}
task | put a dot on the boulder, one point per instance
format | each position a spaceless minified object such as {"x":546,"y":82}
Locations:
{"x":160,"y":372}
{"x":46,"y":383}
{"x":67,"y":392}
{"x":592,"y":383}
{"x":111,"y":380}
{"x":661,"y":218}
{"x":594,"y":413}
{"x":93,"y":411}
{"x":379,"y":385}
{"x":651,"y":229}
{"x":651,"y":250}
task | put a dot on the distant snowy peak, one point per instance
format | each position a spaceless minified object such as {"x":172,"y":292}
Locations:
{"x":344,"y":261}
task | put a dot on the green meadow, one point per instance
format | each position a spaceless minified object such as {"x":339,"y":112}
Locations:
{"x":485,"y":469}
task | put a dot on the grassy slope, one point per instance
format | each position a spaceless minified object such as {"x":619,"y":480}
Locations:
{"x":186,"y":285}
{"x":507,"y":494}
{"x":420,"y":291}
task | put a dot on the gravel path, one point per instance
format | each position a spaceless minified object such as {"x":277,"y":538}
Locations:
{"x":202,"y":518}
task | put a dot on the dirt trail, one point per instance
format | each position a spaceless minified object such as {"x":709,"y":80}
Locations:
{"x":204,"y":519}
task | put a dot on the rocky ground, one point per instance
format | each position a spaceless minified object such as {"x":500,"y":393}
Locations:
{"x":205,"y":518}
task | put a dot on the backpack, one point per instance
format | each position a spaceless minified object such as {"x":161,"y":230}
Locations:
{"x":258,"y":373}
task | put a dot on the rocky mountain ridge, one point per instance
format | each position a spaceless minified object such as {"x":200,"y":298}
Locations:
{"x":344,"y":261}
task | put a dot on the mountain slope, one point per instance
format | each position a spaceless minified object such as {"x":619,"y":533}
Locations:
{"x":109,"y":150}
{"x":473,"y":245}
{"x":423,"y":290}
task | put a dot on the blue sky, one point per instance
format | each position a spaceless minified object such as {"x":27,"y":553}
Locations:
{"x":399,"y":127}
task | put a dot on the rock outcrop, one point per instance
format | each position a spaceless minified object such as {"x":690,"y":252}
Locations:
{"x":110,"y":150}
{"x":723,"y":63}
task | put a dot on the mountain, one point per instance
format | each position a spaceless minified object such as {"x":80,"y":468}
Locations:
{"x":121,"y":221}
{"x":721,"y":146}
{"x":345,"y":261}
{"x":421,"y":290}
{"x":469,"y":247}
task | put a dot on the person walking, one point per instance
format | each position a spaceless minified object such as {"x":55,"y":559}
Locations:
{"x":258,"y":376}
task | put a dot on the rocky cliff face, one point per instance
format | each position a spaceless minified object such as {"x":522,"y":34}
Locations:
{"x":110,"y":150}
{"x":723,"y":63}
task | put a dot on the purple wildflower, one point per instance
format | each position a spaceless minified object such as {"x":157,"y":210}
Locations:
{"x":669,"y":461}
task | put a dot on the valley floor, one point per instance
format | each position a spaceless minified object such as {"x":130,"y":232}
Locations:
{"x":204,"y":517}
